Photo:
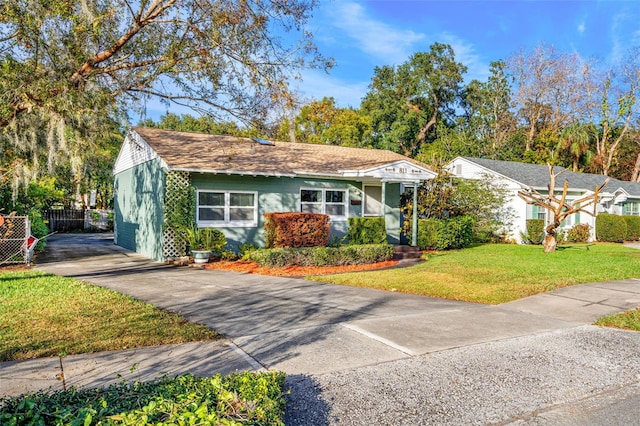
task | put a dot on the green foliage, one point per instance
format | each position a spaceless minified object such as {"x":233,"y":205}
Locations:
{"x":406,"y":102}
{"x":323,"y":123}
{"x":238,"y":399}
{"x":610,"y":228}
{"x":202,"y":124}
{"x":445,"y":234}
{"x":323,"y":256}
{"x":629,"y":320}
{"x":367,"y":230}
{"x":446,"y":197}
{"x":38,"y":228}
{"x":535,"y":231}
{"x":246,"y":249}
{"x":179,"y":209}
{"x":580,"y":233}
{"x":633,"y":228}
{"x":210,"y":239}
{"x":229,"y":255}
{"x":296,"y":229}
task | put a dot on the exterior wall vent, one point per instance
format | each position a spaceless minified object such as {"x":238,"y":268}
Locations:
{"x":263,"y":142}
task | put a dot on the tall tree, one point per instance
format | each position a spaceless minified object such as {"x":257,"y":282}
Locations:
{"x":488,"y":107}
{"x":325,"y":123}
{"x":406,"y":103}
{"x":547,"y":89}
{"x":68,"y":67}
{"x":611,"y":105}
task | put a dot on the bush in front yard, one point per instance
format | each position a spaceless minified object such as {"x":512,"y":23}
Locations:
{"x":445,"y":234}
{"x":535,"y":231}
{"x":296,"y":229}
{"x":367,"y":230}
{"x":323,"y":256}
{"x":579,"y":233}
{"x":633,"y":228}
{"x":610,"y":228}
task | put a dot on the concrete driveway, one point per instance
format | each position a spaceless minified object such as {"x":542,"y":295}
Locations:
{"x":360,"y":356}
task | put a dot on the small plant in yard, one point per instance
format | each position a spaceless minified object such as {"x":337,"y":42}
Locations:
{"x":237,"y":399}
{"x":580,"y":233}
{"x":209,"y":239}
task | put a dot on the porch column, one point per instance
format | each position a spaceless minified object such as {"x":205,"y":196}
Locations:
{"x":414,"y":218}
{"x":384,"y":200}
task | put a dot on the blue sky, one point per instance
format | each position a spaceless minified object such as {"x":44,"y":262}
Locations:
{"x":363,"y":34}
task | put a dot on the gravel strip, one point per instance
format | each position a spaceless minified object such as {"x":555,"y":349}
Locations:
{"x":516,"y":380}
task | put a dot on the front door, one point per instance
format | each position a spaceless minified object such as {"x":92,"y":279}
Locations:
{"x":372,"y":200}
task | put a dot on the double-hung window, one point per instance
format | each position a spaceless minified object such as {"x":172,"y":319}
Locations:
{"x":332,"y":202}
{"x":632,"y":208}
{"x":227,"y":208}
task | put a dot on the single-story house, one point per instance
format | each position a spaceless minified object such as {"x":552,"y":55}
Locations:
{"x":618,"y":197}
{"x":237,"y":180}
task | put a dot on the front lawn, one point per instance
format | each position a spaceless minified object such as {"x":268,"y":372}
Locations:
{"x":500,"y":273}
{"x":47,"y":315}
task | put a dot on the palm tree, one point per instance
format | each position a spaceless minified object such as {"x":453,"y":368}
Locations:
{"x":577,"y":140}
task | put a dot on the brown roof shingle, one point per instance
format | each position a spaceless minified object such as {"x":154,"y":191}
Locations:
{"x":218,"y":153}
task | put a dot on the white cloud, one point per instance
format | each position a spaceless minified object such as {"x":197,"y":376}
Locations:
{"x":377,"y":39}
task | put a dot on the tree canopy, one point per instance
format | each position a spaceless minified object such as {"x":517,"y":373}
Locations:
{"x":70,"y":69}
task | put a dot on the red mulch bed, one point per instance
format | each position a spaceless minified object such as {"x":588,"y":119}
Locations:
{"x":294,"y":271}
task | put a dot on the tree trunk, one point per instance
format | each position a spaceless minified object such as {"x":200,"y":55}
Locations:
{"x":550,"y":243}
{"x":636,"y":170}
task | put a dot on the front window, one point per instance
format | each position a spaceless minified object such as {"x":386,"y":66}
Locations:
{"x":226,"y":208}
{"x":332,"y":202}
{"x":632,"y":208}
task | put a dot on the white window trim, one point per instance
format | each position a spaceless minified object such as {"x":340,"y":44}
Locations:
{"x":323,"y":203}
{"x":227,"y":223}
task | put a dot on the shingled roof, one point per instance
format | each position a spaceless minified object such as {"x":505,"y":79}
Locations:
{"x":537,"y":176}
{"x":232,"y":154}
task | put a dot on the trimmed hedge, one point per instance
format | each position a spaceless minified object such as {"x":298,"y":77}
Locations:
{"x":633,"y":228}
{"x":610,"y":228}
{"x":445,"y":234}
{"x":296,"y":229}
{"x":240,"y":398}
{"x":323,"y":256}
{"x":367,"y":230}
{"x":535,"y":230}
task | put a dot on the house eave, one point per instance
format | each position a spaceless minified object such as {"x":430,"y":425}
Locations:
{"x":230,"y":172}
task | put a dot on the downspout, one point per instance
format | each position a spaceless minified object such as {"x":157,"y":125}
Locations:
{"x":414,"y":218}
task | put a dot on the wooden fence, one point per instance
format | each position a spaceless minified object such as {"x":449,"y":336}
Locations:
{"x":65,"y":220}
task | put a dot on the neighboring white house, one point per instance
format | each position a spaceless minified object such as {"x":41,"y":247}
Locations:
{"x":619,"y":197}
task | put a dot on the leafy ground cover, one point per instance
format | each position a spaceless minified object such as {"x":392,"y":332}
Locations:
{"x":629,"y":320}
{"x":237,"y":399}
{"x":48,"y":315}
{"x":294,"y":271}
{"x":500,"y":273}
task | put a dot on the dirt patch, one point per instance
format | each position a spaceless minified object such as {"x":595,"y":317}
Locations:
{"x":14,"y":268}
{"x":294,"y":271}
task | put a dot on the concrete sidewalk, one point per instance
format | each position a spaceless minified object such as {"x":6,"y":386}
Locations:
{"x":304,"y":328}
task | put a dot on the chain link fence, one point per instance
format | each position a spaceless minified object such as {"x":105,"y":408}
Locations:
{"x":14,"y":236}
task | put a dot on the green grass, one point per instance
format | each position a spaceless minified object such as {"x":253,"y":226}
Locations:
{"x":47,"y":315}
{"x":496,"y":274}
{"x":629,"y":320}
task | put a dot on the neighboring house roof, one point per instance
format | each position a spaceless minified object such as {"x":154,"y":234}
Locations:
{"x":237,"y":155}
{"x":537,"y":176}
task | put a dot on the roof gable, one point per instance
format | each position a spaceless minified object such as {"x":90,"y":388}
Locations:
{"x":198,"y":152}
